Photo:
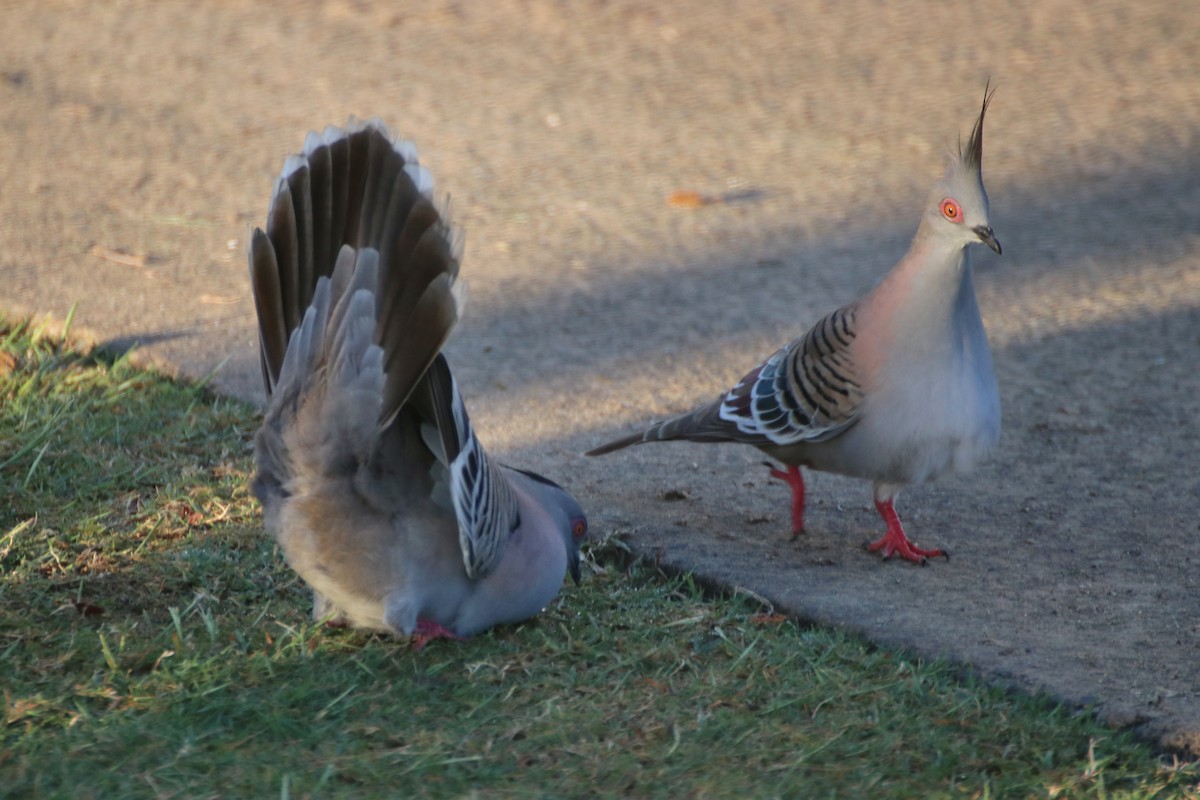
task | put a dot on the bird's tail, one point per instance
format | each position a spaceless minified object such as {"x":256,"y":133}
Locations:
{"x":620,"y":444}
{"x":355,"y":285}
{"x":702,"y":425}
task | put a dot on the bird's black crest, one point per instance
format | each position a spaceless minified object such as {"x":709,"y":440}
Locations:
{"x":972,"y":156}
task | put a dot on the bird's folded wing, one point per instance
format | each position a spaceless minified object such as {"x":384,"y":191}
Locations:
{"x":808,"y":391}
{"x":482,"y":498}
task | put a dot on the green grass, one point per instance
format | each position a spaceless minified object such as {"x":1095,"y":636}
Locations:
{"x":153,"y":644}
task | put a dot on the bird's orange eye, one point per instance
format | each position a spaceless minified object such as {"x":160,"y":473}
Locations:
{"x":579,"y":529}
{"x":952,"y":210}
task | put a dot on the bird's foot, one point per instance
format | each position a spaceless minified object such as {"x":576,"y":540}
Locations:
{"x":427,"y":631}
{"x":891,"y":546}
{"x":896,"y":543}
{"x":795,"y":480}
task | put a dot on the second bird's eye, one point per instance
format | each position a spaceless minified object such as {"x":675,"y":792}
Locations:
{"x":951,"y":210}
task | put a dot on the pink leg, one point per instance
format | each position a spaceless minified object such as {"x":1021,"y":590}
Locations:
{"x":894,"y":542}
{"x":794,"y":479}
{"x":428,"y":631}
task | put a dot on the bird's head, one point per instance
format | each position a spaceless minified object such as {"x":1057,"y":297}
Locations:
{"x":957,"y":211}
{"x":568,"y":517}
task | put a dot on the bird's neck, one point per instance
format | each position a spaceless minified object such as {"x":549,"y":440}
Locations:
{"x":924,"y":290}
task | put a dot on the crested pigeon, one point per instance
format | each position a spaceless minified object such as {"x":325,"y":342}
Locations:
{"x":369,"y":474}
{"x":896,"y":387}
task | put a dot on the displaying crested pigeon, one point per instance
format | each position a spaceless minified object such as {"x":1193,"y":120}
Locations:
{"x":896,"y":387}
{"x":370,"y":476}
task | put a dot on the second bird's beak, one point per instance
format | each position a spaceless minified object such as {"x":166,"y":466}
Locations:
{"x":986,"y":236}
{"x":573,"y":567}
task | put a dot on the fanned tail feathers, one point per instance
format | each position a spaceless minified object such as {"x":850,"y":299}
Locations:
{"x":355,"y":283}
{"x":358,"y":189}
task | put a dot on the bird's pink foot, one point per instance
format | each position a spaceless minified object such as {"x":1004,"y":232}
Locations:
{"x":794,"y":479}
{"x":427,"y":631}
{"x":895,"y":543}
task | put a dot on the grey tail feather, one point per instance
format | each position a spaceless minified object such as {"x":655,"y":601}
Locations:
{"x":619,"y":444}
{"x":356,"y":190}
{"x":701,"y":425}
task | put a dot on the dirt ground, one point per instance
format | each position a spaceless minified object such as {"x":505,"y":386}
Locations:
{"x":139,"y":142}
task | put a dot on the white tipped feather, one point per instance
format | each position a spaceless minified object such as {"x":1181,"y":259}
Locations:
{"x":282,"y":193}
{"x":292,"y":164}
{"x":331,"y":134}
{"x":407,"y":151}
{"x":421,"y":178}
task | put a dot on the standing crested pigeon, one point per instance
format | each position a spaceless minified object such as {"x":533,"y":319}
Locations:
{"x":370,"y":476}
{"x":896,"y":387}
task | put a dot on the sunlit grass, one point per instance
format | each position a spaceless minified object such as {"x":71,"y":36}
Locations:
{"x":153,"y":644}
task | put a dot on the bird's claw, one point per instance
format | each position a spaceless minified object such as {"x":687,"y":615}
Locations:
{"x":902,"y":547}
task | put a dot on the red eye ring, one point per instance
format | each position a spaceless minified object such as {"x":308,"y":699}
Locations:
{"x":579,"y":528}
{"x":951,"y":210}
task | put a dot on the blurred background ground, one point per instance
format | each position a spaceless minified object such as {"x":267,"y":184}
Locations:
{"x":139,"y":143}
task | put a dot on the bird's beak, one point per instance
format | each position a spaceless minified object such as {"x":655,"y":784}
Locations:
{"x":573,"y":567}
{"x":986,"y":236}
